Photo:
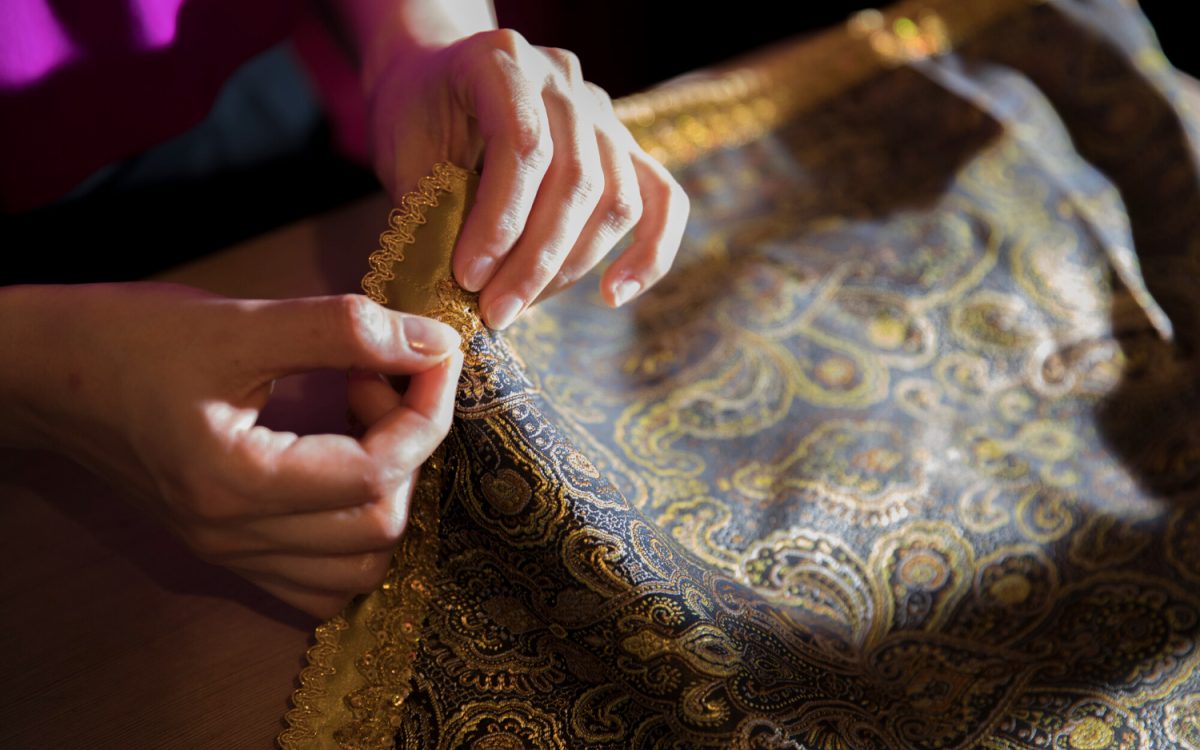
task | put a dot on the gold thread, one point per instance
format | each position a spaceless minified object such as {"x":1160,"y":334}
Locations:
{"x":392,"y":618}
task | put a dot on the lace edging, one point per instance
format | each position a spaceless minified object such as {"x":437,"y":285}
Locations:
{"x":402,"y":225}
{"x":301,"y":718}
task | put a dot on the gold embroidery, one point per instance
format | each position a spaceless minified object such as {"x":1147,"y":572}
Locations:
{"x":886,"y":464}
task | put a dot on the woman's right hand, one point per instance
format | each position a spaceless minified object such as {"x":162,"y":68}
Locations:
{"x":158,"y":388}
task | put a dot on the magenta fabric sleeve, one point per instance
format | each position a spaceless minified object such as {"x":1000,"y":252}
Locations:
{"x":86,"y":82}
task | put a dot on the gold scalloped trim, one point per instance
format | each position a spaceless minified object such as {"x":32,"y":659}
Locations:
{"x":682,"y":120}
{"x":402,"y":227}
{"x":395,"y":622}
{"x":301,"y":718}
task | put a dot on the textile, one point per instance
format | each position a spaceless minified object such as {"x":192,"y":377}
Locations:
{"x":902,"y":454}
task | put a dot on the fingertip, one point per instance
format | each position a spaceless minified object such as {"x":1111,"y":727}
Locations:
{"x":455,"y":364}
{"x":431,"y":393}
{"x":428,"y":337}
{"x":477,"y":273}
{"x":502,"y":310}
{"x":622,"y":290}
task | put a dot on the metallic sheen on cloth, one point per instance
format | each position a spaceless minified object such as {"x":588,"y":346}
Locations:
{"x":903,"y":453}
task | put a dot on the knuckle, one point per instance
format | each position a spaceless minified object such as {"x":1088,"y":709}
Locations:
{"x":502,"y":58}
{"x":422,"y":440}
{"x":497,"y":44}
{"x":565,"y":278}
{"x":357,"y":317}
{"x":389,"y":528}
{"x":531,"y":143}
{"x":600,"y":95}
{"x":624,"y":210}
{"x":377,"y":486}
{"x":586,"y":185}
{"x":387,"y":520}
{"x":567,"y":61}
{"x":509,"y":41}
{"x":662,"y":189}
{"x":502,"y":235}
{"x":545,"y":266}
{"x":410,"y":454}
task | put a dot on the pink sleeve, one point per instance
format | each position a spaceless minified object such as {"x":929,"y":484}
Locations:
{"x":86,"y":83}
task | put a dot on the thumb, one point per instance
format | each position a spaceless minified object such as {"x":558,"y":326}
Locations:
{"x":347,"y":331}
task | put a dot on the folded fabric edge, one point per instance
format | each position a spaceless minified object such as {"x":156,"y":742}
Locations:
{"x":685,"y":118}
{"x":359,"y":671}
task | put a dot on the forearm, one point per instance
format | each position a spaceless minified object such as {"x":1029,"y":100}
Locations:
{"x":380,"y":29}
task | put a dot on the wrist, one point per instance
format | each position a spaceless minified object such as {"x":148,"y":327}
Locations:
{"x":383,"y":30}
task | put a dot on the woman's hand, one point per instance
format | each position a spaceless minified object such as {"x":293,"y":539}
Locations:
{"x":158,"y":388}
{"x":562,"y":179}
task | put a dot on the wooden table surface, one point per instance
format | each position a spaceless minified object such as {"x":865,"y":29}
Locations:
{"x":111,"y":633}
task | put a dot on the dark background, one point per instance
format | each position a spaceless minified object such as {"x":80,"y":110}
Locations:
{"x":659,"y":40}
{"x":264,"y":158}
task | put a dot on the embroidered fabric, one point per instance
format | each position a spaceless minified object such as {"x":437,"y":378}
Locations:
{"x":900,"y":454}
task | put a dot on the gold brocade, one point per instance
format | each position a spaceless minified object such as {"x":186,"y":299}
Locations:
{"x":901,"y":455}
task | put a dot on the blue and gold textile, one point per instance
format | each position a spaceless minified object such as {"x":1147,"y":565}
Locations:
{"x":902,"y":455}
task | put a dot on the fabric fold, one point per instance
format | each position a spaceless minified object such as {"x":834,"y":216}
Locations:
{"x":899,"y":456}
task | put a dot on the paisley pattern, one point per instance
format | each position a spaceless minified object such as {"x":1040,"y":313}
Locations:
{"x":902,"y":455}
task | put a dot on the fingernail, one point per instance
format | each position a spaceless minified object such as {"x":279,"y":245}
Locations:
{"x":503,"y":311}
{"x":625,"y":291}
{"x":478,"y":272}
{"x":430,"y":337}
